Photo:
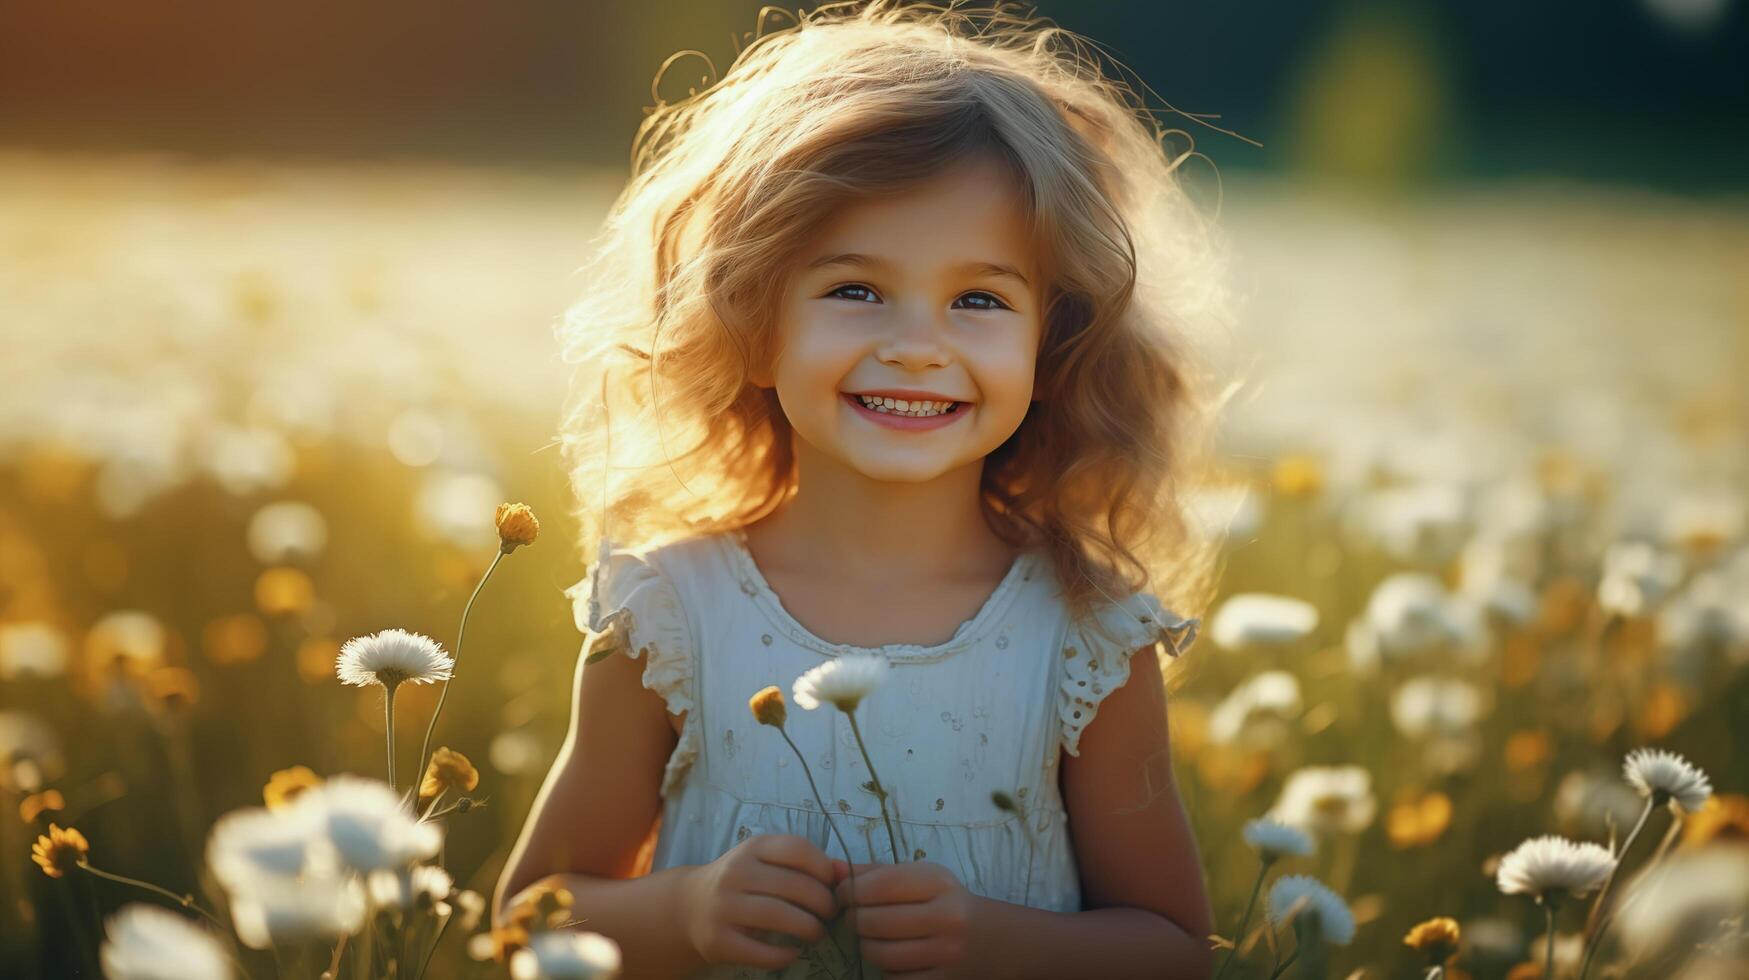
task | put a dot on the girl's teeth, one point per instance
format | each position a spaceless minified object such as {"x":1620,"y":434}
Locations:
{"x":900,"y":406}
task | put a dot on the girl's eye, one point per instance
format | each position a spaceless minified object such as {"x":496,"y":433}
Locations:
{"x":995,"y":304}
{"x":999,"y":305}
{"x":841,"y":289}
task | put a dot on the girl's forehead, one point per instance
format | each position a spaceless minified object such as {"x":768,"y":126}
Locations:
{"x":967,"y":215}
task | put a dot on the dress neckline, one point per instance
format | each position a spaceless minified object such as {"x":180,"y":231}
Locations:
{"x":753,"y":582}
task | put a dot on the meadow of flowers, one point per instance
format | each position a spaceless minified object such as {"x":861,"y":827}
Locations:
{"x":281,"y":670}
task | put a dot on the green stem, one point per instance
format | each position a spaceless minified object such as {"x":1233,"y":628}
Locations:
{"x":1284,"y":964}
{"x":1603,"y":893}
{"x":849,"y":859}
{"x":389,"y":726}
{"x":880,"y":791}
{"x":1549,"y":954}
{"x":1609,"y":916}
{"x":460,"y":633}
{"x":1244,"y":920}
{"x":186,"y":901}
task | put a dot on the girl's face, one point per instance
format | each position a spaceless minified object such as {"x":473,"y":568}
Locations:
{"x":928,"y":297}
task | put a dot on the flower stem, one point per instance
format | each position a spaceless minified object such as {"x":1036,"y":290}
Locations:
{"x":849,"y":859}
{"x":1549,"y":955}
{"x":1609,"y":916}
{"x":186,"y":901}
{"x":460,"y":632}
{"x":880,"y":791}
{"x":389,"y":726}
{"x":1282,"y":967}
{"x":1244,"y":920}
{"x":1609,"y":880}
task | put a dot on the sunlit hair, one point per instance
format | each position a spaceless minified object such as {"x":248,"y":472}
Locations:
{"x":664,"y":432}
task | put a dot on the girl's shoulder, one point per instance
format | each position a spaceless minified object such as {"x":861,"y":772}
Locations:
{"x":651,"y":579}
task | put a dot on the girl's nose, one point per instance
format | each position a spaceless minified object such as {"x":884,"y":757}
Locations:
{"x":915,"y":342}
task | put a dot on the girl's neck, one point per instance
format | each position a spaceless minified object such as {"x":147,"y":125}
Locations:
{"x":840,"y":522}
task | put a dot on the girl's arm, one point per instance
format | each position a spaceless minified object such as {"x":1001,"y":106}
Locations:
{"x":1142,"y":883}
{"x":593,"y":813}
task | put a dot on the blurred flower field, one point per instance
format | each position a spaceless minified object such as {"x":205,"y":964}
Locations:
{"x":1487,"y":524}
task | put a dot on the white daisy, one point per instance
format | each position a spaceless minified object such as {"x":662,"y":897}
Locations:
{"x":1664,"y":776}
{"x":566,"y":955}
{"x":1431,"y":705}
{"x":1327,"y":799}
{"x":1637,"y":577}
{"x":146,"y":942}
{"x":279,"y":909}
{"x":391,"y":658}
{"x":841,"y":682}
{"x":368,"y":824}
{"x":285,"y":531}
{"x":32,"y":650}
{"x":30,"y":754}
{"x":1424,"y":523}
{"x":422,"y":886}
{"x":1545,"y":866}
{"x":1254,"y":620}
{"x":1257,"y":711}
{"x":472,"y":905}
{"x":1295,"y":898}
{"x":1274,"y":840}
{"x":245,"y":845}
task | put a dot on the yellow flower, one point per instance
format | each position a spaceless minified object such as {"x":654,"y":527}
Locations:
{"x":516,"y":526}
{"x":1298,"y":475}
{"x":285,"y":785}
{"x":59,"y":850}
{"x":448,"y":769}
{"x":1437,"y":938}
{"x":1418,"y":822}
{"x":1724,"y":816}
{"x":284,"y":591}
{"x":234,"y":639}
{"x":768,"y":707}
{"x":37,"y":804}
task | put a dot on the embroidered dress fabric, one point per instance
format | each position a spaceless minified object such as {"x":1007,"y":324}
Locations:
{"x":990,"y":709}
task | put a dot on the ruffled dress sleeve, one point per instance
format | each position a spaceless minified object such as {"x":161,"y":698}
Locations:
{"x":627,"y":605}
{"x":1096,"y":656}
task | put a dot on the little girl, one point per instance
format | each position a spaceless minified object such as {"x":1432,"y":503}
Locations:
{"x":886,"y":353}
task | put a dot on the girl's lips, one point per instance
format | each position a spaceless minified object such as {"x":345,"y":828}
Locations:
{"x":905,"y":422}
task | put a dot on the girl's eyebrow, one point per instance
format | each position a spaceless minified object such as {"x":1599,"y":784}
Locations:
{"x":975,"y":266}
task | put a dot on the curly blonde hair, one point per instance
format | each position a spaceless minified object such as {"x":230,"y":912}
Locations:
{"x":667,"y":437}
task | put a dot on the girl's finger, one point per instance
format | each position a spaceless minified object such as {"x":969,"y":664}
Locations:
{"x":794,"y":887}
{"x":742,"y":949}
{"x":902,"y":954}
{"x":765,"y":912}
{"x":909,"y":920}
{"x":869,"y":887}
{"x":791,"y":851}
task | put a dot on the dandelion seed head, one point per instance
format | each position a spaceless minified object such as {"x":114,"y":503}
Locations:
{"x":841,"y":682}
{"x":1663,"y":776}
{"x":1546,"y":866}
{"x":391,"y":658}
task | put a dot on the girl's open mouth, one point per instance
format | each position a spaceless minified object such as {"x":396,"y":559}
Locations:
{"x":933,"y":415}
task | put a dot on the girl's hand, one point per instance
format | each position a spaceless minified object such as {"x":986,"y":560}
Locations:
{"x":915,"y":918}
{"x":768,"y":882}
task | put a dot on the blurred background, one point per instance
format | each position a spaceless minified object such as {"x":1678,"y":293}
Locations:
{"x":277,"y":291}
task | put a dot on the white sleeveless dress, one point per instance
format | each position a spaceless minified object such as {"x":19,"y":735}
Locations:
{"x":990,"y":709}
